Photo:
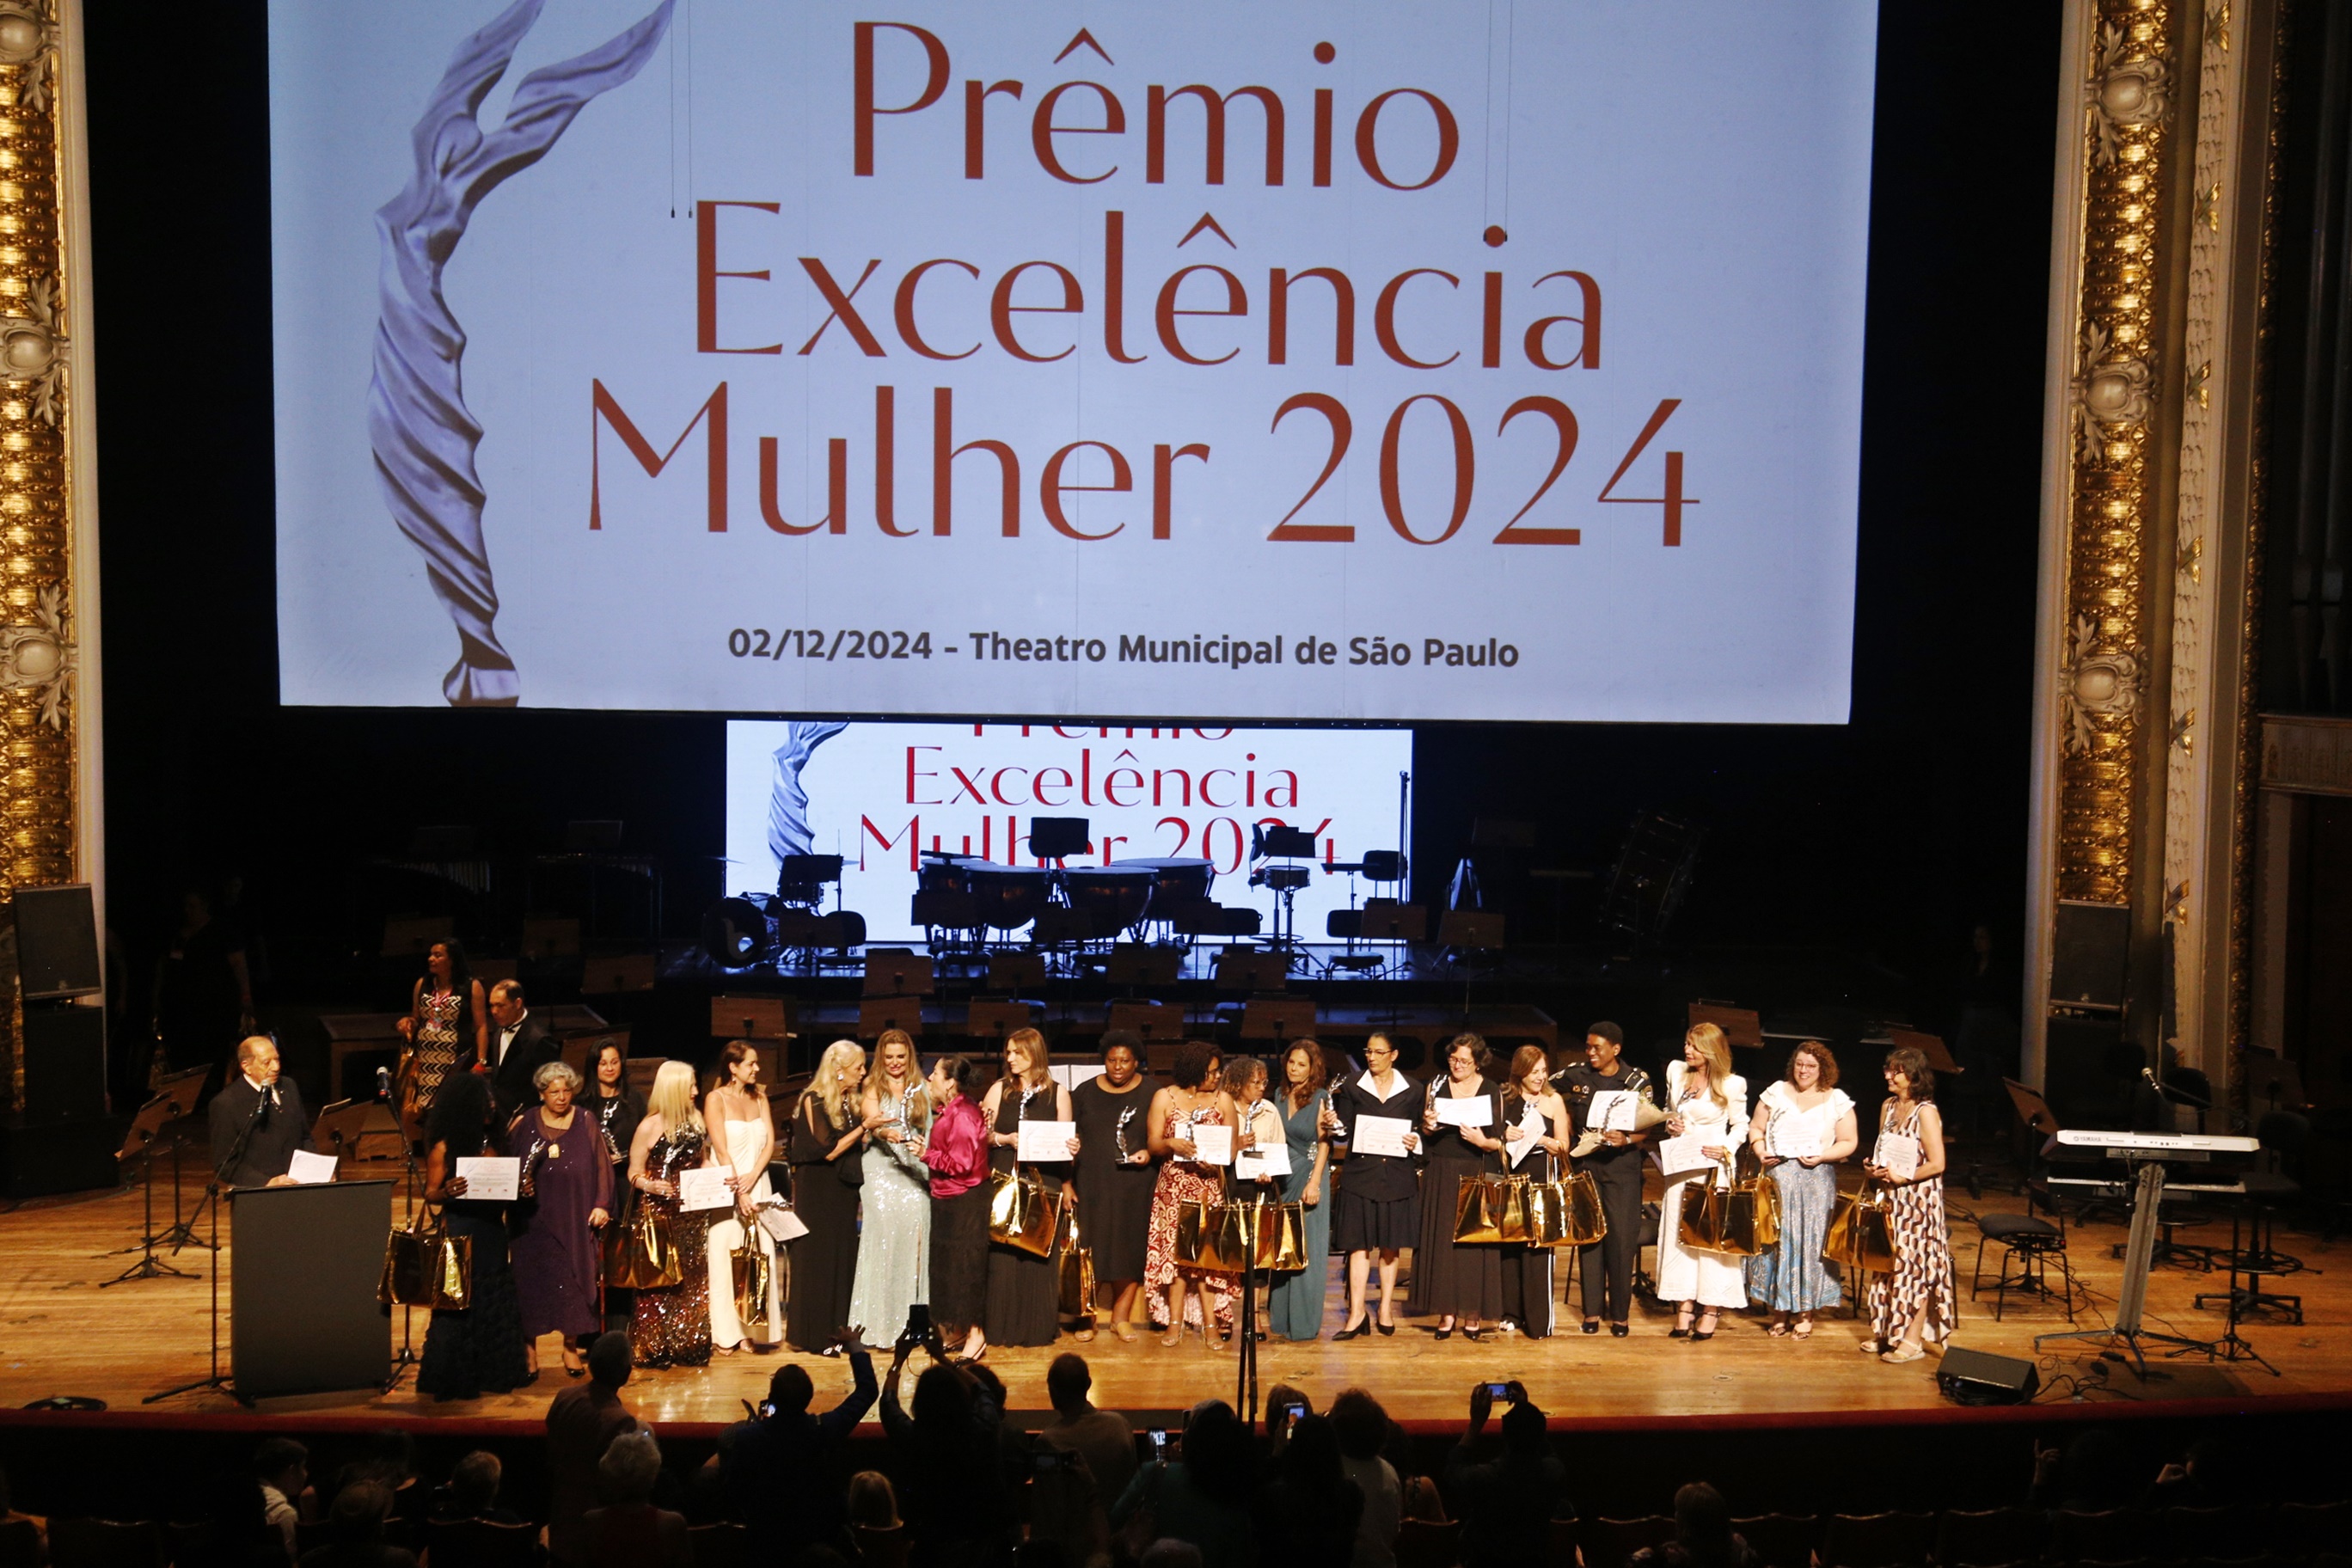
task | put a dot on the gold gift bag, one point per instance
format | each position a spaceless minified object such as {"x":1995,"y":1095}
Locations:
{"x":641,"y":1254}
{"x":1861,"y":1235}
{"x":1023,"y":1214}
{"x":427,"y":1267}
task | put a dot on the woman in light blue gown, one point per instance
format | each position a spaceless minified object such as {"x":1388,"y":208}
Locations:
{"x":894,"y":1249}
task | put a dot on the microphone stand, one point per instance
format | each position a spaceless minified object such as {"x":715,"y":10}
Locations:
{"x":212,"y":1192}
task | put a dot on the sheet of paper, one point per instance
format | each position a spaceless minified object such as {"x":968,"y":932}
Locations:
{"x":1264,"y":1159}
{"x":1611,"y":1110}
{"x":1476,"y":1111}
{"x":1532,"y":1126}
{"x":1383,"y":1135}
{"x":495,"y":1178}
{"x":703,"y":1187}
{"x":1794,"y":1137}
{"x":781,"y":1223}
{"x":1680,"y":1157}
{"x":309,"y":1168}
{"x":1898,"y":1153}
{"x":1046,"y":1143}
{"x":1212,"y":1145}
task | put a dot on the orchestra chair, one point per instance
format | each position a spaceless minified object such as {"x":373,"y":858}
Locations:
{"x":2234,"y":1531}
{"x":1876,"y":1539}
{"x":1607,"y":1543}
{"x":2027,"y":1243}
{"x":721,"y":1545}
{"x":104,"y":1543}
{"x":480,"y":1544}
{"x":1782,"y":1540}
{"x":1964,"y":1540}
{"x":2283,"y":1135}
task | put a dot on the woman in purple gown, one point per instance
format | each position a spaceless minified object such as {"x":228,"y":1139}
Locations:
{"x":568,"y":1177}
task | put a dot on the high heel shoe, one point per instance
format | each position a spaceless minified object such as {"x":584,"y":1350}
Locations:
{"x":1473,"y":1334}
{"x":1682,"y":1328}
{"x":1174,"y":1337}
{"x":1591,"y":1325}
{"x":1710,"y":1319}
{"x":1619,"y":1330}
{"x":1387,"y":1329}
{"x":1358,"y":1332}
{"x":1446,"y":1333}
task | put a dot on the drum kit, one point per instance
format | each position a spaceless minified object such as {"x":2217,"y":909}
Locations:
{"x":960,"y":898}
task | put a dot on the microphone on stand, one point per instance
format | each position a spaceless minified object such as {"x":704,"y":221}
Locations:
{"x":383,"y":1083}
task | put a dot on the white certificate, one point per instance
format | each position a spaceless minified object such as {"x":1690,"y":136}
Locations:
{"x":309,"y":1168}
{"x":1046,"y":1143}
{"x":1793,"y":1137}
{"x":1532,"y":1126}
{"x":1212,"y":1145}
{"x":1262,"y":1160}
{"x":1475,"y":1110}
{"x":1383,"y":1135}
{"x":703,"y":1187}
{"x":1680,"y":1157}
{"x":1611,"y":1110}
{"x":1898,"y":1155}
{"x":497,"y":1179}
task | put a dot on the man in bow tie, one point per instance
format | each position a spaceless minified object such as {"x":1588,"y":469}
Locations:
{"x":256,"y":1096}
{"x":519,"y":1046}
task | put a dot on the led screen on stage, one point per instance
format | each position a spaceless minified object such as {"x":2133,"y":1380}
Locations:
{"x":1433,"y":359}
{"x":880,"y":795}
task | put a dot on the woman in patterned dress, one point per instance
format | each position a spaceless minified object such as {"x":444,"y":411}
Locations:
{"x":1805,"y":1113}
{"x":1193,"y":1099}
{"x":671,"y":1327}
{"x":448,"y":1030}
{"x":1915,"y":1302}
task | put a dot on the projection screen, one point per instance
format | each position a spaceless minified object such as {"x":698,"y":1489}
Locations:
{"x":1383,"y":362}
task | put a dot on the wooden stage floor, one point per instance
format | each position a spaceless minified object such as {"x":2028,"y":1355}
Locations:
{"x":60,"y":1333}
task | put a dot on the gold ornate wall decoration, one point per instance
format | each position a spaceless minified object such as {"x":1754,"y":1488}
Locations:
{"x":39,"y":660}
{"x":2125,"y":152}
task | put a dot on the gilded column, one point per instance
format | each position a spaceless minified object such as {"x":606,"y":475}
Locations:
{"x":47,"y":567}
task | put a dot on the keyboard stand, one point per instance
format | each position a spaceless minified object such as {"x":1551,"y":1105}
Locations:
{"x":2139,"y":1254}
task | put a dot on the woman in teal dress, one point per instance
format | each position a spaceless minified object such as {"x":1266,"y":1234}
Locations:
{"x":1296,"y":1309}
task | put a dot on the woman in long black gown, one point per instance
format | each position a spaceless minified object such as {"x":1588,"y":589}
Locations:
{"x":1023,"y":1290}
{"x":1115,"y":1176}
{"x":828,"y":1134}
{"x":1458,"y":1282}
{"x":480,"y":1347}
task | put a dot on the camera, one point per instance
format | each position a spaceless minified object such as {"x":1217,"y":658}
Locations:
{"x":1500,"y":1393}
{"x":1159,"y":1437}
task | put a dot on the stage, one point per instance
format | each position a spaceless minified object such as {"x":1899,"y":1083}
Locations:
{"x":65,"y":1335}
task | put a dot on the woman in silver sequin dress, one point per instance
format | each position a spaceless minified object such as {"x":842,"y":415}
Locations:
{"x":894,"y":1248}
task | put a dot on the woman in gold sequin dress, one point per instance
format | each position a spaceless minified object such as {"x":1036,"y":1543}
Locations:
{"x":671,"y":1327}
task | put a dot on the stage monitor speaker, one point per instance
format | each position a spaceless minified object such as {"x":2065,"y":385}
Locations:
{"x":1972,"y":1377}
{"x":2091,"y":946}
{"x":65,"y":1063}
{"x":56,"y":942}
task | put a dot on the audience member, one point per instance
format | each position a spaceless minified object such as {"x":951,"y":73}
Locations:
{"x":235,"y":1530}
{"x":2091,"y":1475}
{"x":1104,"y":1437}
{"x":2213,"y":1473}
{"x":1208,"y":1496}
{"x":628,"y":1530}
{"x":956,"y":1503}
{"x":355,"y":1532}
{"x":282,"y":1467}
{"x":389,"y":1459}
{"x":873,"y":1504}
{"x":1361,"y":1424}
{"x":472,"y":1492}
{"x":784,"y":1472}
{"x":1312,"y":1510}
{"x":1283,"y":1405}
{"x":1424,"y":1503}
{"x":25,"y":1536}
{"x":1507,"y":1504}
{"x":1703,"y":1535}
{"x":581,"y":1422}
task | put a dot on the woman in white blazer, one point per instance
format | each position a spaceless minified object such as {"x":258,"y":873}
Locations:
{"x":1704,"y":1099}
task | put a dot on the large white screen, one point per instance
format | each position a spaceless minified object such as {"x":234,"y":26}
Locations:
{"x":877,"y":794}
{"x":1609,"y":256}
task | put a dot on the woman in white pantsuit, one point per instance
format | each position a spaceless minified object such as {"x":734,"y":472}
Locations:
{"x":1704,"y":1097}
{"x":742,"y":1140}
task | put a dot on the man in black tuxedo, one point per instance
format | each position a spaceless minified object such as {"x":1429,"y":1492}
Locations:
{"x":519,"y":1046}
{"x":254,"y":1094}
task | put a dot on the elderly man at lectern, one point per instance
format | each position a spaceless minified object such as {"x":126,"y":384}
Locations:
{"x":256,"y":1095}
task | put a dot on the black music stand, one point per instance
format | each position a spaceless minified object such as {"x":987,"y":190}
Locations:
{"x":138,"y":1143}
{"x":212,"y":1191}
{"x":187,"y":1087}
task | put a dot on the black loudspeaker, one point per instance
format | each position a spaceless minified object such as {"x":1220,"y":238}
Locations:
{"x":1972,"y":1377}
{"x":65,"y":1063}
{"x":56,"y":942}
{"x":2090,"y":947}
